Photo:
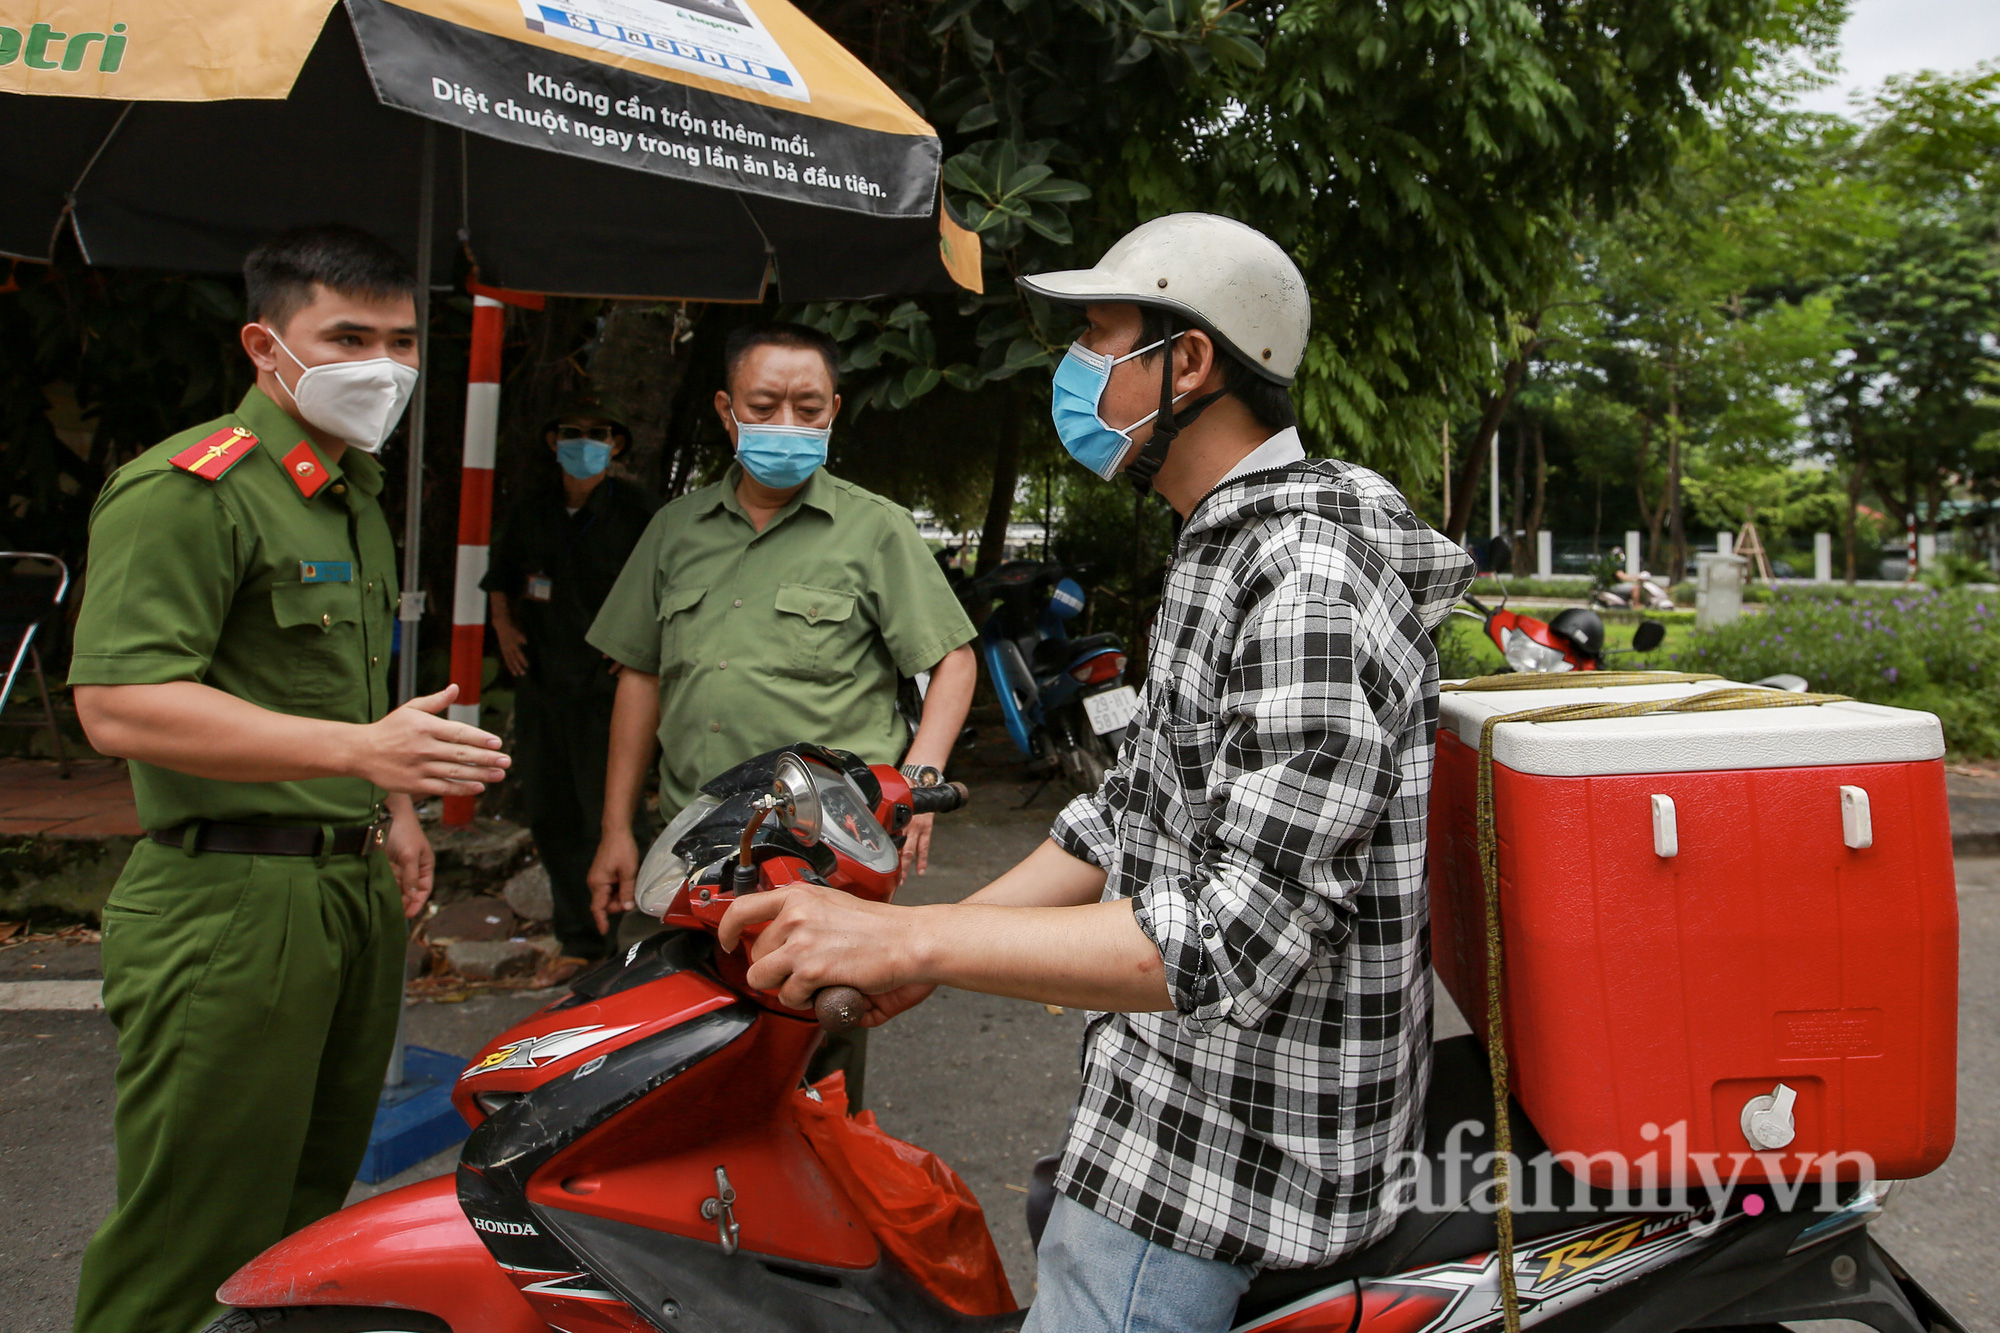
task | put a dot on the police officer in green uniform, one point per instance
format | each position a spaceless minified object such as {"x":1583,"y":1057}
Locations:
{"x":233,"y":644}
{"x":779,"y":604}
{"x":559,"y":552}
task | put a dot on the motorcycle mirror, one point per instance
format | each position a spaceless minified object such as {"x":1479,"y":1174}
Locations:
{"x":1500,"y":555}
{"x":1648,"y":636}
{"x":797,"y":799}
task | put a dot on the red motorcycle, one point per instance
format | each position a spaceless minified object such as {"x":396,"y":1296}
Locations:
{"x":644,"y":1156}
{"x":1571,"y":640}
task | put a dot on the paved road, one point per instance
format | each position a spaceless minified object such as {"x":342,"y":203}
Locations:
{"x":986,"y":1083}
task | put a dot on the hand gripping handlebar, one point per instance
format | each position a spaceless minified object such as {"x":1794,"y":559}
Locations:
{"x":839,"y":1008}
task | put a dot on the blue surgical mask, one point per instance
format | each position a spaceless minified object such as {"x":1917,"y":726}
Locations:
{"x":780,"y":456}
{"x":581,"y":458}
{"x":1079,"y":386}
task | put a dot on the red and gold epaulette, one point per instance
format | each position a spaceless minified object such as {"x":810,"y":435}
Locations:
{"x":215,"y":455}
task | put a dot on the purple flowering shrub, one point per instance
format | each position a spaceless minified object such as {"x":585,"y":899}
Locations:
{"x":1915,"y":648}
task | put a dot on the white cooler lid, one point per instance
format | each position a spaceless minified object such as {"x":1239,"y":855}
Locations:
{"x":1843,"y":733}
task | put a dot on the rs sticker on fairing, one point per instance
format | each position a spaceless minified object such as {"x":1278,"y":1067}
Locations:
{"x":530,"y":1052}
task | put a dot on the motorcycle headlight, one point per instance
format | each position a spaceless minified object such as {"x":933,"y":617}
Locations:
{"x":1525,"y":655}
{"x":663,"y":871}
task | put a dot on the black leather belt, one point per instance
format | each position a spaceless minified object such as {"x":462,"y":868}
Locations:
{"x":267,"y":839}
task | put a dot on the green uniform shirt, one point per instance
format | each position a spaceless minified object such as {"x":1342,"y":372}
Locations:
{"x":797,"y":633}
{"x":556,"y":568}
{"x":246,"y":585}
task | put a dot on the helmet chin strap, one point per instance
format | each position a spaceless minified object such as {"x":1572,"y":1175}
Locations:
{"x":1166,"y":423}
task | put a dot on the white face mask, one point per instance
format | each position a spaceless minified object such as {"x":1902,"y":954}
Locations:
{"x":358,"y":401}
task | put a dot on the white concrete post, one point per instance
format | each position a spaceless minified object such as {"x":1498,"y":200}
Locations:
{"x":1926,"y":550}
{"x":1718,"y":589}
{"x":1545,"y":554}
{"x":1632,"y":565}
{"x":1723,"y":543}
{"x":1822,"y":557}
{"x":1493,"y":490}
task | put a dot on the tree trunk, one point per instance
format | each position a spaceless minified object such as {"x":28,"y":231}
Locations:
{"x":1520,"y":478}
{"x":1855,"y":476}
{"x":1541,"y":485}
{"x":1444,"y":497}
{"x":1677,"y":528}
{"x":1006,"y":476}
{"x":1466,"y":492}
{"x":1597,"y":518}
{"x":1913,"y":514}
{"x":636,"y":366}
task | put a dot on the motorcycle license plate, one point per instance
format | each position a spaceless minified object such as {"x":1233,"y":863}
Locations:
{"x":1112,"y":709}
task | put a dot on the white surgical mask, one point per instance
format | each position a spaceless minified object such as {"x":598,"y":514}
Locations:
{"x":358,"y":401}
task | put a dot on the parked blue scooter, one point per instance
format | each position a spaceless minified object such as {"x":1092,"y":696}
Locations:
{"x":1065,"y":700}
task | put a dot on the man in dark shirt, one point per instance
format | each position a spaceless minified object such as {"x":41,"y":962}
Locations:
{"x":556,"y":558}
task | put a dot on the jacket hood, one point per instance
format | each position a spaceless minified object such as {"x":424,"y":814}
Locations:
{"x":1434,"y":569}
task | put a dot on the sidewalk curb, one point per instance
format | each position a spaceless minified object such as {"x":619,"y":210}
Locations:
{"x":45,"y":995}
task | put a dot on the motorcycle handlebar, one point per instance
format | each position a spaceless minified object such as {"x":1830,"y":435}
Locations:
{"x":1476,"y":604}
{"x":939,"y":799}
{"x":839,"y":1008}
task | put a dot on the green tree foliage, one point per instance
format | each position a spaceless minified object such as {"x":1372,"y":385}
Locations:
{"x":126,"y":358}
{"x":1421,"y":160}
{"x":1910,"y":411}
{"x":1692,"y":331}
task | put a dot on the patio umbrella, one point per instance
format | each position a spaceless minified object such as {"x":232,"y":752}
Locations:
{"x":695,"y":149}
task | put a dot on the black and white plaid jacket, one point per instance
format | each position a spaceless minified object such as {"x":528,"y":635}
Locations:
{"x":1267,"y":817}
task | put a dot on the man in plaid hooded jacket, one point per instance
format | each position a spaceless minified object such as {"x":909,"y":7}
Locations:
{"x":1242,"y":904}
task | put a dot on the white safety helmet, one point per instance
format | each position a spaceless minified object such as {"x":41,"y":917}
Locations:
{"x":1218,"y":274}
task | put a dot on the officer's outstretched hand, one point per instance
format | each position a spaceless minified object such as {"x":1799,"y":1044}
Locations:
{"x":414,"y":750}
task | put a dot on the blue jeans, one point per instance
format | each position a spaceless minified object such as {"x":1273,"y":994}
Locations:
{"x":1094,"y":1276}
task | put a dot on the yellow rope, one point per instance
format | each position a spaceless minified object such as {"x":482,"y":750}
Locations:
{"x":1577,"y":680}
{"x":1714,"y":701}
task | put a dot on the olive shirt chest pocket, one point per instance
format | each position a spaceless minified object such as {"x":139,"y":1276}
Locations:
{"x":816,"y":623}
{"x":677,"y":637}
{"x":320,"y":634}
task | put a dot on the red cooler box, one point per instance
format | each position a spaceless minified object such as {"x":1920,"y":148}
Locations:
{"x":1743,"y":922}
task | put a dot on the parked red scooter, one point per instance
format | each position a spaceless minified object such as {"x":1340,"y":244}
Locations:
{"x":1571,"y":640}
{"x":643,"y":1158}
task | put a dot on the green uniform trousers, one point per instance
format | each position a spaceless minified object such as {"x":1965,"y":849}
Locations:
{"x":562,"y":743}
{"x":255,"y":999}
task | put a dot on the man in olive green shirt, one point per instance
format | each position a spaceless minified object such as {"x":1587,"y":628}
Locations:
{"x":780,"y":604}
{"x":233,"y":644}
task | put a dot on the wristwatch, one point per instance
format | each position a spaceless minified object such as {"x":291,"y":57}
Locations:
{"x":922,"y":775}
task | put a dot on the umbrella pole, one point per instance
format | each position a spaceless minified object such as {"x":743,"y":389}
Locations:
{"x":410,"y":610}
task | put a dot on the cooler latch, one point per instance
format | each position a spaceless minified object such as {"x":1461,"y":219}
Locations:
{"x":1857,"y":830}
{"x":1767,"y":1121}
{"x":1666,"y":832}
